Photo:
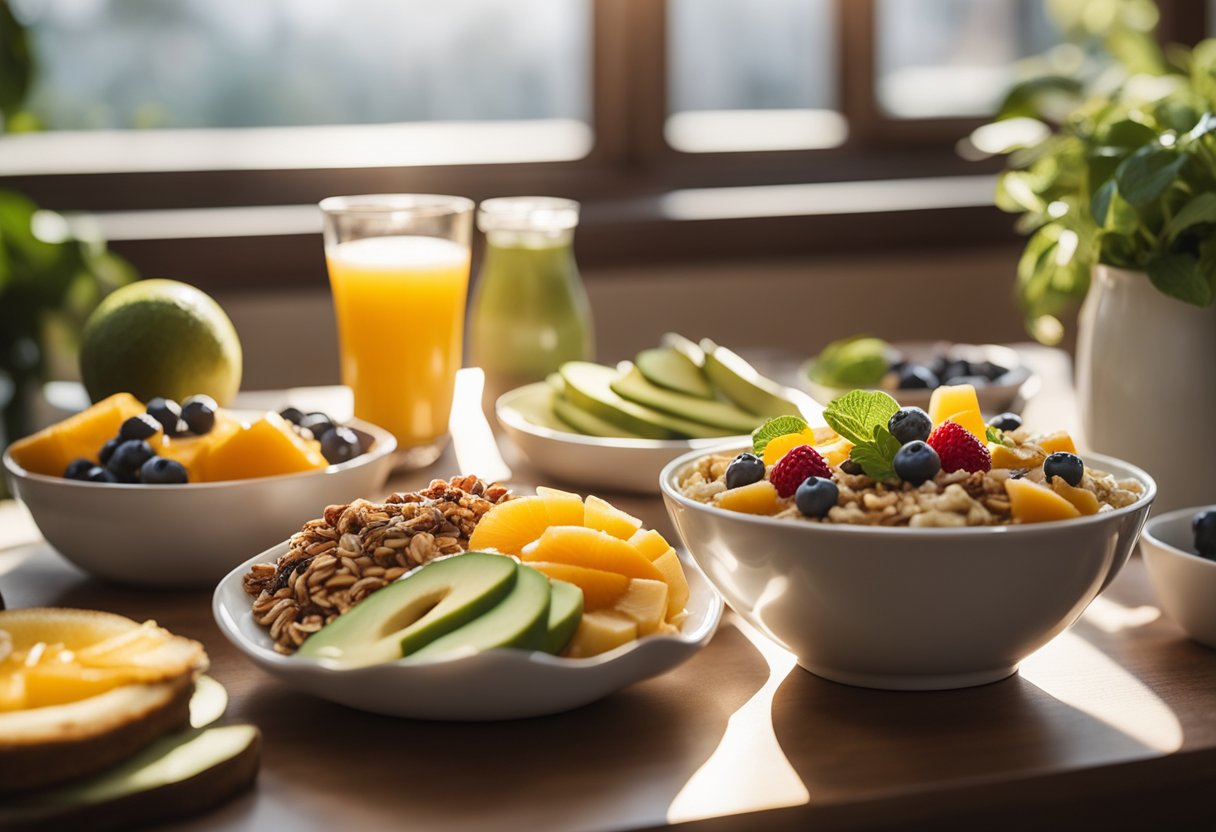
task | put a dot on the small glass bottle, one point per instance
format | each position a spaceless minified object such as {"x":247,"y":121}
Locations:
{"x":530,"y":312}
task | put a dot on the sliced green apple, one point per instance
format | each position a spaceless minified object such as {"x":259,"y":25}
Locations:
{"x":590,"y":387}
{"x":669,"y":368}
{"x":740,"y":383}
{"x":634,"y":386}
{"x":587,"y":423}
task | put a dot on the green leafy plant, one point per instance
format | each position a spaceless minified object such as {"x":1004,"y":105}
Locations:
{"x":1113,"y":163}
{"x":861,"y":417}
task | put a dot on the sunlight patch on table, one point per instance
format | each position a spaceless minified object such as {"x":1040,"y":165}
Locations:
{"x":748,"y":771}
{"x":1112,"y":617}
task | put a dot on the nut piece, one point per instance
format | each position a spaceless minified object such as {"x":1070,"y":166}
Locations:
{"x":356,"y":549}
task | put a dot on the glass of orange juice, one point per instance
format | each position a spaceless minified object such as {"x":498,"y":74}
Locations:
{"x":399,"y":271}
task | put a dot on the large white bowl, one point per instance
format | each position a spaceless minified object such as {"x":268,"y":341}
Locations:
{"x":497,"y":684}
{"x":595,"y":462}
{"x":189,"y":535}
{"x":1184,"y":582}
{"x":903,"y":608}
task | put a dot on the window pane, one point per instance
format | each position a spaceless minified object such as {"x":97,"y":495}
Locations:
{"x":944,"y":58}
{"x":236,"y":63}
{"x":752,"y":75}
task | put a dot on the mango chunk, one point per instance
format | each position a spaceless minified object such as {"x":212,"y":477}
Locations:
{"x":650,"y":543}
{"x":265,"y":448}
{"x":1024,"y":457}
{"x":1034,"y":503}
{"x":80,"y":436}
{"x":601,"y":515}
{"x":836,"y":451}
{"x":782,"y":445}
{"x":677,"y":583}
{"x":1085,"y":500}
{"x":646,"y":603}
{"x":510,"y":526}
{"x":580,"y":546}
{"x":958,"y":403}
{"x":600,"y":631}
{"x":758,"y":498}
{"x":600,"y":588}
{"x":1056,"y":442}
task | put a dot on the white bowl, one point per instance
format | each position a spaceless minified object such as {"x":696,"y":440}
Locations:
{"x":903,"y":608}
{"x":595,"y":462}
{"x":497,"y":684}
{"x":1184,"y":582}
{"x":189,"y":535}
{"x":993,"y":398}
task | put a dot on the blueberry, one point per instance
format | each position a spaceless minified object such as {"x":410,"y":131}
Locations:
{"x":1204,"y":527}
{"x":339,"y":444}
{"x":293,"y":415}
{"x":161,"y":471}
{"x":316,"y":423}
{"x":956,"y":369}
{"x":107,"y":450}
{"x":167,"y":412}
{"x":851,"y":467}
{"x":990,"y":370}
{"x":199,"y":413}
{"x":141,"y":426}
{"x":1068,"y":467}
{"x":744,"y":469}
{"x":128,"y":458}
{"x":78,"y":469}
{"x":974,"y":381}
{"x":909,"y":424}
{"x":917,"y":377}
{"x":816,"y":496}
{"x":916,"y":462}
{"x":99,"y":474}
{"x":1006,"y":421}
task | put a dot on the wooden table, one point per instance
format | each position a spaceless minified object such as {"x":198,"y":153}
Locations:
{"x":1114,"y":722}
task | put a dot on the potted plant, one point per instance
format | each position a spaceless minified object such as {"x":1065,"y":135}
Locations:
{"x":1114,"y":174}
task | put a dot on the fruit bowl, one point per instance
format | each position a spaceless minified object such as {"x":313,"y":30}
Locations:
{"x":1184,"y":582}
{"x":629,"y":465}
{"x":496,"y":684}
{"x":189,"y":535}
{"x":908,"y":608}
{"x":1003,"y":394}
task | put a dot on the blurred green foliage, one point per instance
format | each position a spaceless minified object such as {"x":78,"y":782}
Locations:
{"x":51,"y":276}
{"x":1111,"y":164}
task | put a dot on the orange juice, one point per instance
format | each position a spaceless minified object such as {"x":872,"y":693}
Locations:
{"x":400,"y":307}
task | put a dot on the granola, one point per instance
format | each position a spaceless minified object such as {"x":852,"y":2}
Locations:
{"x":336,"y":561}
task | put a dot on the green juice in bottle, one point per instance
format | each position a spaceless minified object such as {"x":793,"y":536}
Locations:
{"x":530,"y":312}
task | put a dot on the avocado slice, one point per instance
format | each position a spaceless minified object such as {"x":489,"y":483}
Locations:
{"x":536,"y":407}
{"x":688,"y":348}
{"x":585,"y":422}
{"x":565,"y":611}
{"x":422,"y":607}
{"x":519,"y":620}
{"x":590,"y":387}
{"x":634,"y":386}
{"x":178,"y":775}
{"x":740,"y":383}
{"x":668,"y":367}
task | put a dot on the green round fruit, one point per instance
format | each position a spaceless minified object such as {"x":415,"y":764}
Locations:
{"x":160,"y":338}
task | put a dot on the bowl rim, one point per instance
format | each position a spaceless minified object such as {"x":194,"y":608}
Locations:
{"x":670,"y":492}
{"x":383,"y":444}
{"x":1150,"y":533}
{"x":1017,"y":365}
{"x":511,"y":418}
{"x":693,"y":639}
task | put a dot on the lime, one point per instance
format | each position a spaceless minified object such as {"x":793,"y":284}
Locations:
{"x":160,"y":338}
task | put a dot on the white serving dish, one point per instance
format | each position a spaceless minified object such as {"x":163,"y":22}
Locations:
{"x":594,"y":462}
{"x":902,"y":608}
{"x":497,"y":684}
{"x":1184,"y":582}
{"x":190,"y":535}
{"x":1020,"y":383}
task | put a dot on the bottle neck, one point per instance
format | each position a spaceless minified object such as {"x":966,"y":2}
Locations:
{"x":549,"y":239}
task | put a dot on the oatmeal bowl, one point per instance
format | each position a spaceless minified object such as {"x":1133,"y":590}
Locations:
{"x":942,"y":563}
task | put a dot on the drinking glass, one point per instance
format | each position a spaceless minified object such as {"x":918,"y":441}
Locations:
{"x":399,"y":272}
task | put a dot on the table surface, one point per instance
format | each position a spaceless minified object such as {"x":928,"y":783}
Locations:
{"x":1113,"y":721}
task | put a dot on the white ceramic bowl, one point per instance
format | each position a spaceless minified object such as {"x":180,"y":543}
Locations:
{"x":902,"y":608}
{"x":595,"y":462}
{"x":497,"y":684}
{"x":993,"y":398}
{"x":1184,"y":582}
{"x":189,"y":535}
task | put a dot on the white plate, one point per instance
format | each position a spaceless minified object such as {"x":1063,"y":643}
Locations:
{"x":1021,"y":383}
{"x":594,"y":462}
{"x":498,"y":684}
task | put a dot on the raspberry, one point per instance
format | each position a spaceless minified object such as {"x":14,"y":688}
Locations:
{"x":793,"y":469}
{"x":959,"y":449}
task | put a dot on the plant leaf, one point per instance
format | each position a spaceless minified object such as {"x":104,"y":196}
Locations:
{"x":770,"y":430}
{"x":1201,"y":209}
{"x":1100,"y":204}
{"x":1144,"y":176}
{"x":876,"y":458}
{"x":855,"y":414}
{"x":1179,"y":276}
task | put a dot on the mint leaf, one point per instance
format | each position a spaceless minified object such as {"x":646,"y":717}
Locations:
{"x":856,"y":414}
{"x":770,"y":430}
{"x":877,"y":457}
{"x":998,"y":436}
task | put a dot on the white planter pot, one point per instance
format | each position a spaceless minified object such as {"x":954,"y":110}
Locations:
{"x":1146,"y":379}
